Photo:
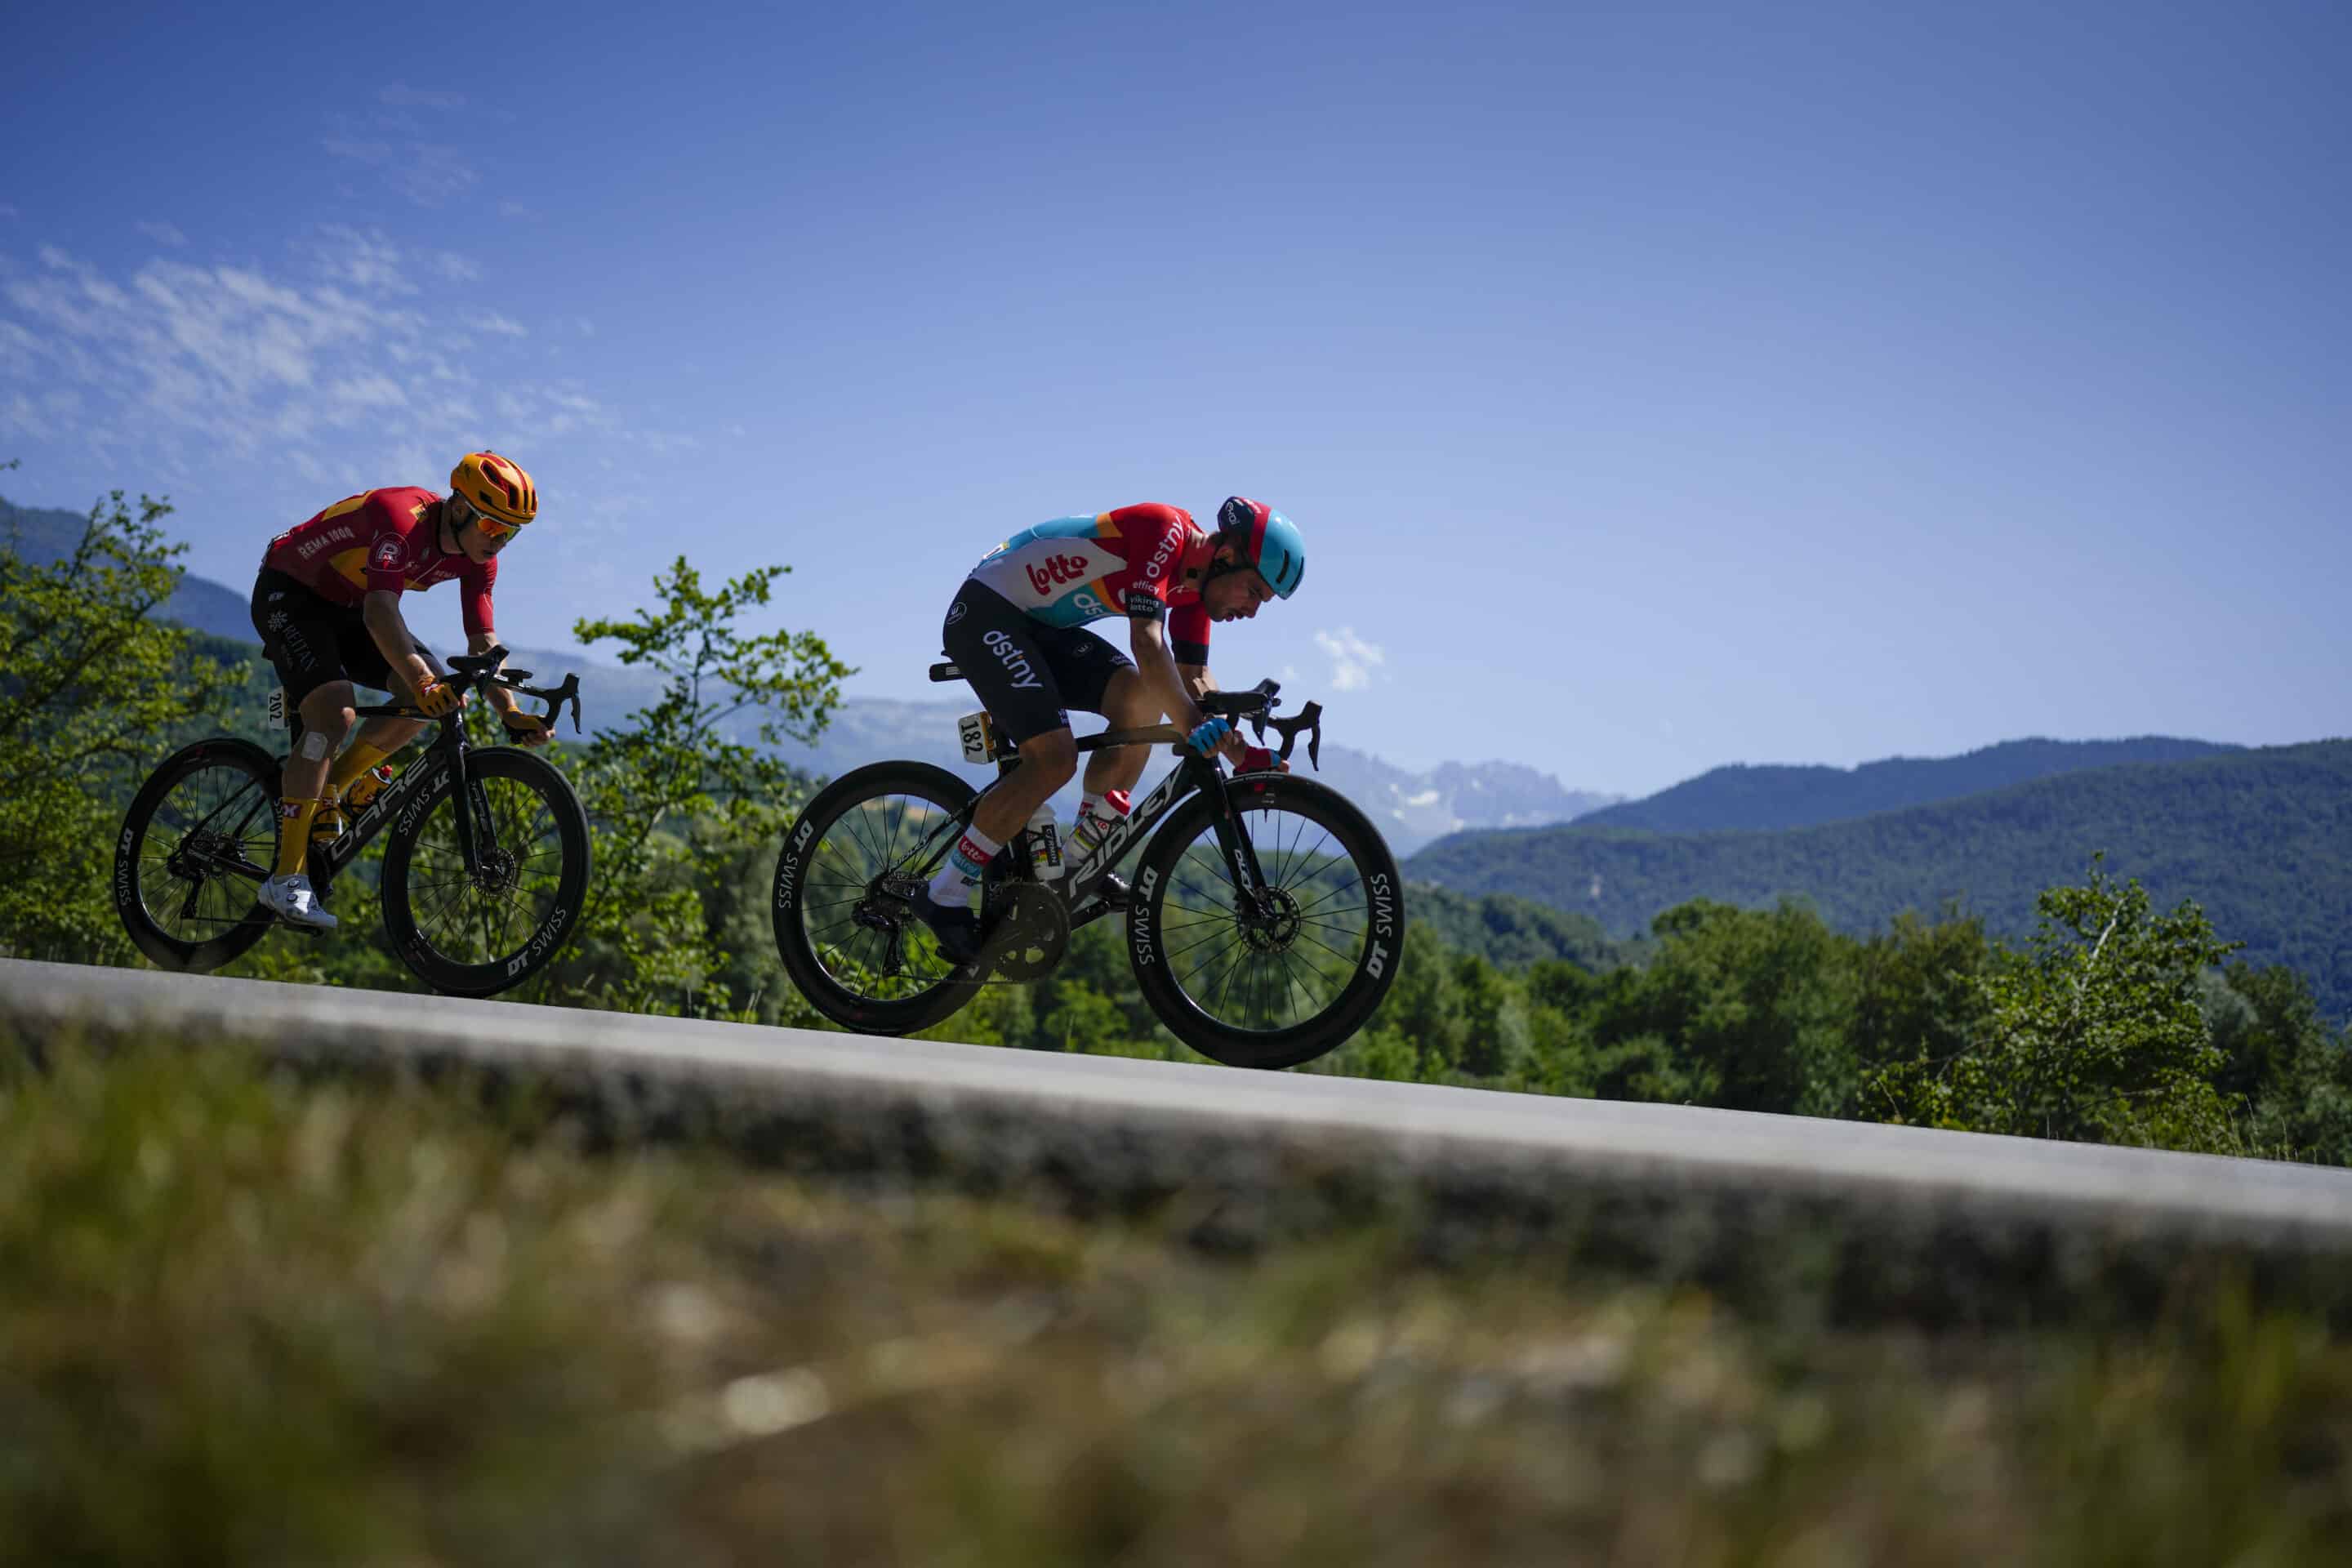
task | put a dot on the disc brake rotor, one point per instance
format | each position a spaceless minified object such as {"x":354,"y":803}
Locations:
{"x":1270,"y":920}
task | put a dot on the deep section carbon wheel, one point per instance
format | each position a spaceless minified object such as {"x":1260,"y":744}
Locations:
{"x":474,"y":926}
{"x":1275,"y":974}
{"x":200,"y":836}
{"x":847,"y":884}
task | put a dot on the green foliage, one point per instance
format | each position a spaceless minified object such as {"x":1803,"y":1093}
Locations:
{"x":272,"y":1317}
{"x":2260,"y":839}
{"x":2093,"y":1034}
{"x":1514,"y":930}
{"x":678,"y":803}
{"x":91,"y":691}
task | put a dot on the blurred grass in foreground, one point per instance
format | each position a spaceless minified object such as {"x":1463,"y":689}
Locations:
{"x":244,"y":1319}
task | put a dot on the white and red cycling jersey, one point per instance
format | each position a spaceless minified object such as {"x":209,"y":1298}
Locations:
{"x":1133,"y":561}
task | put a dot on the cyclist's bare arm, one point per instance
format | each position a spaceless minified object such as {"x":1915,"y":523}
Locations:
{"x":523,"y":728}
{"x":1157,"y":666}
{"x":481,"y":642}
{"x":380,"y":613}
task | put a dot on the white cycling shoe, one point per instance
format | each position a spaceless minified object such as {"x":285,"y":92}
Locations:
{"x":291,"y":900}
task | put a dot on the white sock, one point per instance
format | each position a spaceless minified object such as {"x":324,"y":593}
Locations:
{"x":965,"y":862}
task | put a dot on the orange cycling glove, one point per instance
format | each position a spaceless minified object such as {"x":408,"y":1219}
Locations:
{"x":438,"y":697}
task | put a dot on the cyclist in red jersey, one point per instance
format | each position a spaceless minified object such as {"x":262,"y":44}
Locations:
{"x":327,"y":605}
{"x":1015,"y":631}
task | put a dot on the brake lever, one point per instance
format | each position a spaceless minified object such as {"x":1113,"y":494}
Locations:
{"x":1309,"y":719}
{"x":555,"y":696}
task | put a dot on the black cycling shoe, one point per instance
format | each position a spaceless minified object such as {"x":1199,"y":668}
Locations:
{"x":954,"y":926}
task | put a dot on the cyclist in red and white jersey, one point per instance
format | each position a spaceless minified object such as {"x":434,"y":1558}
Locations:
{"x":1015,"y":630}
{"x":327,"y":605}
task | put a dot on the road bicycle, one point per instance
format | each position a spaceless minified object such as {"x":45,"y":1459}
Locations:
{"x":481,"y":886}
{"x":1264,"y":922}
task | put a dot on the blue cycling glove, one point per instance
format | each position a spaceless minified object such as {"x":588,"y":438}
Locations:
{"x":1204,"y":739}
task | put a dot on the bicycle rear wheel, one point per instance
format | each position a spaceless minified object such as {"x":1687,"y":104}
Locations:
{"x":200,"y":836}
{"x":847,"y":880}
{"x":1279,"y":976}
{"x":473,"y":929}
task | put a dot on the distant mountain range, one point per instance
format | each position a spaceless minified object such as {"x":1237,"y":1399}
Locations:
{"x":1412,"y":808}
{"x":1740,"y":796}
{"x":2260,"y":839}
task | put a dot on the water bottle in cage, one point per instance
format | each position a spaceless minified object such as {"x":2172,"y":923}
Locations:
{"x":1044,"y":844}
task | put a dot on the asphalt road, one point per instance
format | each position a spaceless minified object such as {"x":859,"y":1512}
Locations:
{"x":1016,"y":1106}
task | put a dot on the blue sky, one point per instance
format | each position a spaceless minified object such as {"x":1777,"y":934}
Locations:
{"x":1656,"y":386}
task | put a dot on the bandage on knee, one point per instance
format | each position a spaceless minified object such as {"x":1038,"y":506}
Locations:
{"x":314,"y":747}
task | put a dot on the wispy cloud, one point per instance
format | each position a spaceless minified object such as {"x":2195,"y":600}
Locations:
{"x":400,"y":94}
{"x":429,"y":173}
{"x":1352,"y":658}
{"x":365,"y":259}
{"x":358,"y":359}
{"x":163,"y":233}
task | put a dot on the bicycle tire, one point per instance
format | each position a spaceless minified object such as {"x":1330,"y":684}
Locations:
{"x":242,"y":922}
{"x":835,"y":857}
{"x":1337,"y":938}
{"x":430,"y":946}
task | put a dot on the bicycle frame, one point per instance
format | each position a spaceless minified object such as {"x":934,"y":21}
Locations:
{"x":1191,"y":772}
{"x":414,"y":783}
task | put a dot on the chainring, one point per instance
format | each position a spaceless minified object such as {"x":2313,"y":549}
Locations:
{"x":1029,"y":931}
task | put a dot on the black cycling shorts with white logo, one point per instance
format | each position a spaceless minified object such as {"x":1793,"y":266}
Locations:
{"x":1028,"y":674}
{"x":311,"y":641}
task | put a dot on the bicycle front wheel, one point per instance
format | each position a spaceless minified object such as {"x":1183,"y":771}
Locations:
{"x":199,"y":837}
{"x":474,"y":925}
{"x":1277,"y":975}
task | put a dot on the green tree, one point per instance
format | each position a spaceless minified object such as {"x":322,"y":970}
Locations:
{"x":1743,"y":1008}
{"x":2093,"y":1034}
{"x":1919,"y":991}
{"x":1423,"y":1008}
{"x":2280,"y":1056}
{"x":686,"y":795}
{"x":92,"y":693}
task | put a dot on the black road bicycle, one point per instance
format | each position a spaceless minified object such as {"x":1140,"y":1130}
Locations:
{"x":481,"y":885}
{"x":1264,"y":922}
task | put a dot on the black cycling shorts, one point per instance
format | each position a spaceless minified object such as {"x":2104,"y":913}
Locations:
{"x":1028,"y":674}
{"x":313,"y":641}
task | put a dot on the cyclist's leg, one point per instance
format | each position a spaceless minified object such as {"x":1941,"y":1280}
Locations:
{"x":379,"y":737}
{"x":301,"y":636}
{"x":1003,"y":655}
{"x":1099,"y":679}
{"x":298,"y":635}
{"x":1127,"y":701}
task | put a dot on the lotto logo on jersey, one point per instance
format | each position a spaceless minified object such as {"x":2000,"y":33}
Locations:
{"x":391,"y":554}
{"x":1055,"y":569}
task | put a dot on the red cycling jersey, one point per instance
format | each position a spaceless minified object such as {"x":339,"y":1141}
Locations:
{"x":1136,"y":559}
{"x":384,"y":541}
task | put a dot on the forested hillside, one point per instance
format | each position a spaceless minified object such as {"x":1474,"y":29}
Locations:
{"x":2262,"y":839}
{"x":38,"y":535}
{"x":1744,"y":797}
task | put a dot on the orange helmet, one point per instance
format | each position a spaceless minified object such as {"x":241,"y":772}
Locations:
{"x":496,"y":486}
